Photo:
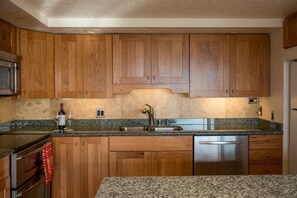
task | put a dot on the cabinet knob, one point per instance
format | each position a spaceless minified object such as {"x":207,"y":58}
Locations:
{"x":232,"y":91}
{"x":147,"y":77}
{"x":226,"y":91}
{"x":154,"y":77}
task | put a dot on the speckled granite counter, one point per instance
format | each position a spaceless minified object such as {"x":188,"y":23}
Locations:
{"x":199,"y":186}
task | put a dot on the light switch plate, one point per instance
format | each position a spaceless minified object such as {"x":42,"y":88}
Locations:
{"x":100,"y":113}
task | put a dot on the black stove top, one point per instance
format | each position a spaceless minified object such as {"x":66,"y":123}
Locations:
{"x":18,"y":142}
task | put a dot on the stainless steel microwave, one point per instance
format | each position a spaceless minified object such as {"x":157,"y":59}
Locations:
{"x":10,"y":74}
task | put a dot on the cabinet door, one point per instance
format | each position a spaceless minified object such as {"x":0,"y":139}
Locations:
{"x":249,"y":65}
{"x":69,"y":61}
{"x":37,"y":65}
{"x":94,"y":164}
{"x":67,"y":174}
{"x":131,"y":59}
{"x":172,"y":163}
{"x":97,"y":66}
{"x":5,"y":188}
{"x":130,"y":163}
{"x":170,"y":59}
{"x":209,"y":65}
{"x":7,"y":37}
{"x":290,"y":31}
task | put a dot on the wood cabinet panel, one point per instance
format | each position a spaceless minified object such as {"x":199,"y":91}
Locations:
{"x":172,"y":163}
{"x":97,"y":66}
{"x":94,"y":164}
{"x":209,"y":65}
{"x":134,"y":163}
{"x":67,"y":177}
{"x":272,"y":157}
{"x":145,"y":143}
{"x":37,"y":78}
{"x":131,"y":59}
{"x":69,"y":70}
{"x":265,"y":141}
{"x":265,"y":169}
{"x":7,"y":37}
{"x":170,"y":59}
{"x":290,"y":31}
{"x":5,"y":188}
{"x":249,"y":65}
{"x":4,"y":167}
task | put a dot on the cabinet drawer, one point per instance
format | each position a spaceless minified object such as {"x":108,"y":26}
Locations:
{"x":265,"y":170}
{"x":157,"y":143}
{"x":265,"y":141}
{"x":262,"y":157}
{"x":4,"y":167}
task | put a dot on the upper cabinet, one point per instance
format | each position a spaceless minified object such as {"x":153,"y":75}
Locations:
{"x":7,"y":37}
{"x":249,"y":65}
{"x":37,"y":51}
{"x":229,"y":65}
{"x":150,"y":61}
{"x":83,"y":66}
{"x":290,"y":31}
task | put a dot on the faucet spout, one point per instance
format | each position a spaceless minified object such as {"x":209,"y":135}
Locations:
{"x":150,"y":115}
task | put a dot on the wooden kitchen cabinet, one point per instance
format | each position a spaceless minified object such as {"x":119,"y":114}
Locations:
{"x":209,"y":65}
{"x":83,"y":66}
{"x":150,"y":61}
{"x":290,"y":31}
{"x":265,"y":154}
{"x":7,"y":37}
{"x":229,"y":65}
{"x":249,"y":65}
{"x":80,"y":165}
{"x":37,"y":78}
{"x":151,"y":156}
{"x":4,"y":177}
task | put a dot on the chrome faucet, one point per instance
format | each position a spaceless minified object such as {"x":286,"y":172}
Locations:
{"x":150,"y":114}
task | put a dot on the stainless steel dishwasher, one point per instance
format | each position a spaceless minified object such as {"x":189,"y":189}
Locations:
{"x":220,"y":155}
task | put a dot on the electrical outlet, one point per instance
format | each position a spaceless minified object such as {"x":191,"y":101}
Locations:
{"x":100,"y":113}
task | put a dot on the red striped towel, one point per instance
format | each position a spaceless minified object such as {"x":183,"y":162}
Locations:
{"x":48,"y":165}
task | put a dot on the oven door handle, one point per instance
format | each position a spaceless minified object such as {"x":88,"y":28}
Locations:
{"x":28,"y":154}
{"x":28,"y":189}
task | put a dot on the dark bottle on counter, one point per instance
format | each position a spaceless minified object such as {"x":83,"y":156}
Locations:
{"x":61,"y":117}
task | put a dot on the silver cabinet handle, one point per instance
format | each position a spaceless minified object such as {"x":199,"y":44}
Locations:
{"x":220,"y":143}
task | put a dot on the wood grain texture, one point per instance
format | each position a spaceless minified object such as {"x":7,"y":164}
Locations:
{"x":290,"y":31}
{"x":37,"y":72}
{"x":131,"y":163}
{"x":262,"y":157}
{"x":67,"y":163}
{"x":172,"y":163}
{"x":4,"y":167}
{"x":265,"y":142}
{"x":265,"y":169}
{"x":94,"y":164}
{"x":131,"y":59}
{"x":97,"y":66}
{"x":5,"y":188}
{"x":249,"y":65}
{"x":170,"y":59}
{"x":145,"y":143}
{"x":209,"y":65}
{"x":7,"y":37}
{"x":69,"y":68}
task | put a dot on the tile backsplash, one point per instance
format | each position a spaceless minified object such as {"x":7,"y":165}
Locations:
{"x":165,"y":103}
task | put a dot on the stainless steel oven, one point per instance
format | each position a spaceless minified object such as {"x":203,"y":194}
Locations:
{"x":27,"y":176}
{"x":9,"y":74}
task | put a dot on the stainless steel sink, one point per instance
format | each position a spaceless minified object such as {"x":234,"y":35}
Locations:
{"x":152,"y":129}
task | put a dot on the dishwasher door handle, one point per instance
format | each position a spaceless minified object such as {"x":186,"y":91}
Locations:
{"x":220,"y":142}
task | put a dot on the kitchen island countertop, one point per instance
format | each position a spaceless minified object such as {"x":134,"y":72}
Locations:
{"x":199,"y":186}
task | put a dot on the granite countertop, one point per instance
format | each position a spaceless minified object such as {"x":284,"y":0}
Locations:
{"x":199,"y":186}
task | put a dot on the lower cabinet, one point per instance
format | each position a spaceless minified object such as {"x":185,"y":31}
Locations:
{"x":80,"y":165}
{"x":151,"y":156}
{"x":265,"y":154}
{"x":4,"y":178}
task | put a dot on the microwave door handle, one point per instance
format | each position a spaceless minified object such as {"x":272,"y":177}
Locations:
{"x":12,"y":77}
{"x":15,"y":83}
{"x":20,"y":194}
{"x":220,"y":143}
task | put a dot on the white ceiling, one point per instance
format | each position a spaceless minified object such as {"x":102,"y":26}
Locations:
{"x":76,"y":15}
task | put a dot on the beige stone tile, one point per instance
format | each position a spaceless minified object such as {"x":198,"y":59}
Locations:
{"x":239,"y":108}
{"x":207,"y":107}
{"x":7,"y":109}
{"x":33,"y":109}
